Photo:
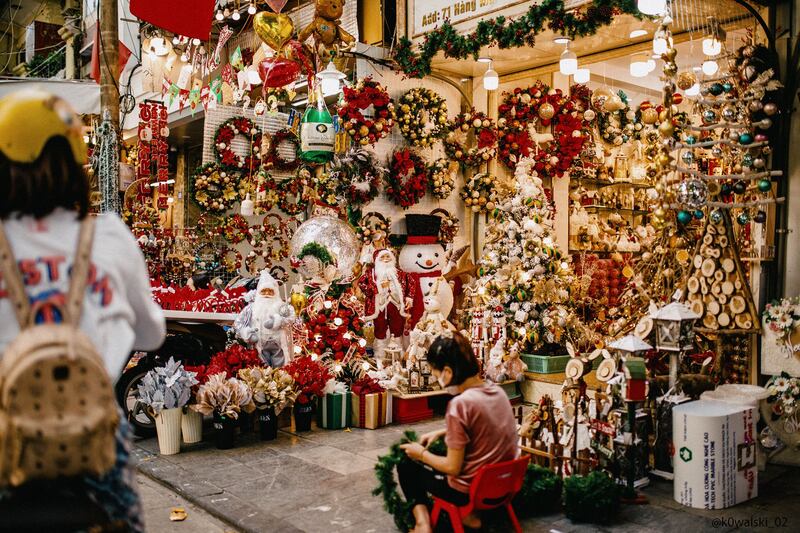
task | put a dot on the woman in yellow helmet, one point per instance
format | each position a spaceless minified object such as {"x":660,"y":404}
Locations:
{"x":44,"y":196}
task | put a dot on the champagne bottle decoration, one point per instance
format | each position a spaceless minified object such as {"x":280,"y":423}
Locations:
{"x":317,"y":135}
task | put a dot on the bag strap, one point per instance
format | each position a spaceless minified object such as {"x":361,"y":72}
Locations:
{"x":80,"y":272}
{"x":15,"y":287}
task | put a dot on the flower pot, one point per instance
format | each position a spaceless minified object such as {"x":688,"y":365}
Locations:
{"x":245,"y":422}
{"x":168,"y":429}
{"x":192,"y":426}
{"x":267,"y":424}
{"x":303,"y":413}
{"x":225,"y":431}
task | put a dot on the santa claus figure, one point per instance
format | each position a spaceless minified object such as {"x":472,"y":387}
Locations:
{"x":423,"y":259}
{"x":266,"y":323}
{"x":387,"y":296}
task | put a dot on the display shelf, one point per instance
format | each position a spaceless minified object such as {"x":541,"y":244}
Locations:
{"x":603,"y":183}
{"x":194,"y":316}
{"x":635,"y":212}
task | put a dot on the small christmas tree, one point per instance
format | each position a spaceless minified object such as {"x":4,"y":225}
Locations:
{"x":523,"y":271}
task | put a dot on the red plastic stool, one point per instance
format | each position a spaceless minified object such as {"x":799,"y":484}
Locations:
{"x":494,"y":486}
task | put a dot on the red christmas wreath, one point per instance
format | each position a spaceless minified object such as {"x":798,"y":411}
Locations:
{"x":224,"y":137}
{"x":272,"y":157}
{"x":460,"y":129}
{"x":290,"y":195}
{"x":235,"y":229}
{"x":408,"y":178}
{"x":356,"y":99}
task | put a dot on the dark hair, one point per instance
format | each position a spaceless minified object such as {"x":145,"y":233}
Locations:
{"x":456,"y":352}
{"x":54,"y":180}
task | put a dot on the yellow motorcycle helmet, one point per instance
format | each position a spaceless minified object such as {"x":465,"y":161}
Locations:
{"x":30,"y":118}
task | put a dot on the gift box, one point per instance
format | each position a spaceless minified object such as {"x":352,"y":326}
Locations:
{"x":335,"y":411}
{"x":372,"y":411}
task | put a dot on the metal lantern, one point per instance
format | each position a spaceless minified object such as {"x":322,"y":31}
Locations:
{"x":674,"y":325}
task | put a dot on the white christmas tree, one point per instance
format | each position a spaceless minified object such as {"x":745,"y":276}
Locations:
{"x":524,"y":272}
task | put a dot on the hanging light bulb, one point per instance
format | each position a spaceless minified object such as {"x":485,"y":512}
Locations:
{"x":491,"y":80}
{"x":639,"y":68}
{"x":220,"y":16}
{"x":330,"y":79}
{"x":252,"y":9}
{"x":582,"y":75}
{"x":694,"y":90}
{"x":711,"y":46}
{"x":652,"y":7}
{"x":236,"y":15}
{"x":176,"y":40}
{"x":227,"y":12}
{"x":710,"y":67}
{"x":568,"y":63}
{"x":196,"y":41}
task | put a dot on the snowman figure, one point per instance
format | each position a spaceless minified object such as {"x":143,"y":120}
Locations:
{"x":423,"y":259}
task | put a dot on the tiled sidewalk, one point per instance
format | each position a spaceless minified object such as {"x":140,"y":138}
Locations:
{"x":321,"y":481}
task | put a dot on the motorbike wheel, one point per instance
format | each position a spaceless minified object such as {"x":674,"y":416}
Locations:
{"x":140,"y":420}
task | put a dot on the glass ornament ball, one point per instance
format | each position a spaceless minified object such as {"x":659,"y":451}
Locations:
{"x":727,"y":87}
{"x":739,"y":187}
{"x":747,"y":160}
{"x":725,"y":190}
{"x":761,"y":138}
{"x":693,"y":193}
{"x":743,"y":218}
{"x":715,"y":89}
{"x":688,"y":157}
{"x":759,"y":162}
{"x":715,"y":216}
{"x":764,"y":185}
{"x":755,"y":106}
{"x":684,"y":217}
{"x":771,"y":109}
{"x":760,"y":217}
{"x":729,"y":113}
{"x":746,"y":138}
{"x":690,"y":139}
{"x":709,"y":116}
{"x":716,"y":151}
{"x":335,"y":235}
{"x":698,"y":214}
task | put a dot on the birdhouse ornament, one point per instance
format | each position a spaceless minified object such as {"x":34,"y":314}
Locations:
{"x":635,"y":385}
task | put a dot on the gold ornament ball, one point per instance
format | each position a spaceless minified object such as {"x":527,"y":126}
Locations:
{"x":649,"y":116}
{"x":465,"y":127}
{"x":363,"y":131}
{"x":378,"y":126}
{"x":666,"y":129}
{"x":486,"y":123}
{"x":547,"y":111}
{"x":476,"y":123}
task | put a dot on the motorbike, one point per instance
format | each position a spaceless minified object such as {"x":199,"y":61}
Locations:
{"x":191,"y":343}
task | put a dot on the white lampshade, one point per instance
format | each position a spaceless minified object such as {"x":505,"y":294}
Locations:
{"x":694,"y":90}
{"x":652,"y":7}
{"x":660,"y":44}
{"x":329,"y":79}
{"x":491,"y":80}
{"x":711,"y":46}
{"x":568,"y":63}
{"x":639,"y":68}
{"x":710,"y":67}
{"x":582,"y":75}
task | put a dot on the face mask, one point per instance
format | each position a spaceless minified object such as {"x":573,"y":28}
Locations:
{"x":452,"y":390}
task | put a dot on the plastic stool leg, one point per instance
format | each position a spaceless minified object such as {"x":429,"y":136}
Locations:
{"x":513,"y":517}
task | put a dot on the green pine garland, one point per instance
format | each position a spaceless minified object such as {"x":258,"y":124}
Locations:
{"x":393,"y":502}
{"x":317,"y":250}
{"x":594,"y":498}
{"x":503,"y":33}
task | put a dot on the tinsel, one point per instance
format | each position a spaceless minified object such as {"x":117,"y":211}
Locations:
{"x":505,"y":34}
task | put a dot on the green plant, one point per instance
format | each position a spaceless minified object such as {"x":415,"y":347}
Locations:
{"x":594,"y":498}
{"x":540,"y":493}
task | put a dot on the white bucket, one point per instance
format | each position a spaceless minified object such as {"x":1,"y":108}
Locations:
{"x":168,"y":429}
{"x":192,"y":426}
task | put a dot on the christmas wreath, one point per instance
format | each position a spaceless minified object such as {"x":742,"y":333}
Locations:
{"x":479,"y":193}
{"x":215,"y":189}
{"x":272,"y":157}
{"x":235,"y":229}
{"x":393,"y":502}
{"x":356,"y":99}
{"x":323,"y":184}
{"x":357,"y":175}
{"x":266,"y":195}
{"x":223,"y":140}
{"x":373,"y":227}
{"x":442,"y":178}
{"x":421,"y":116}
{"x":472,"y":124}
{"x":407,"y":179}
{"x":535,"y":104}
{"x":231,"y":260}
{"x":615,"y":118}
{"x":448,"y":229}
{"x":206,"y":257}
{"x":250,"y":262}
{"x":290,"y":195}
